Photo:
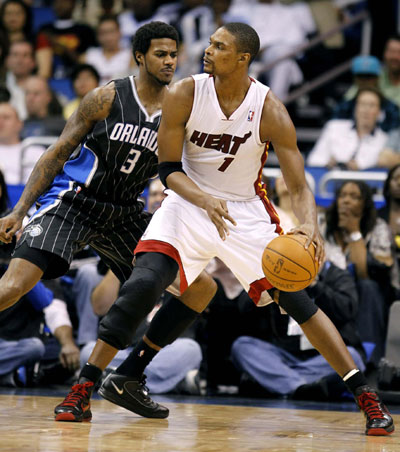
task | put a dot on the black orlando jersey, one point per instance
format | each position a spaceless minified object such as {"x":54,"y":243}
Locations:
{"x":120,"y":154}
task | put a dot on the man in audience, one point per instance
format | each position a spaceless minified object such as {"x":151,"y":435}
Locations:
{"x":15,"y":166}
{"x":111,"y":60}
{"x":366,"y":70}
{"x":20,"y":65}
{"x":352,"y":144}
{"x":60,"y":43}
{"x":44,"y":111}
{"x":389,"y":79}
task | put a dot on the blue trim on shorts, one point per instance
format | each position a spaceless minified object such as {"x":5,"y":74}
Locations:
{"x":80,"y":167}
{"x":61,"y":183}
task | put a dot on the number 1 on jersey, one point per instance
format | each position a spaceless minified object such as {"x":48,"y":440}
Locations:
{"x":227,"y":162}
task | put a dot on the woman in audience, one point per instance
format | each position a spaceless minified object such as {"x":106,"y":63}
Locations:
{"x":356,"y":239}
{"x":84,"y":78}
{"x":16,"y":19}
{"x":391,"y":211}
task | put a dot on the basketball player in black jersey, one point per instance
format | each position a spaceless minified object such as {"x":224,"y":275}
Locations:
{"x":90,"y":197}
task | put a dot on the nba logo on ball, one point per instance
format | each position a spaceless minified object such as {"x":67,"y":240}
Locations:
{"x":287,"y":265}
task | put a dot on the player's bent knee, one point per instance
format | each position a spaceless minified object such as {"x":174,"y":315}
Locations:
{"x":137,"y":298}
{"x":298,"y":305}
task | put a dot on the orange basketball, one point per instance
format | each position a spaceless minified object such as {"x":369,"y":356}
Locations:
{"x":287,"y":265}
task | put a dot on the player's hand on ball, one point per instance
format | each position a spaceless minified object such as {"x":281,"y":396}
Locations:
{"x":217,"y":210}
{"x":313,"y":236}
{"x":9,"y":225}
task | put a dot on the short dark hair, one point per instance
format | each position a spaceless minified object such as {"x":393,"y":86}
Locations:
{"x":368,"y":217}
{"x":141,"y":41}
{"x":386,"y":187}
{"x":393,"y":37}
{"x":247,"y":39}
{"x":107,"y":18}
{"x":84,"y":67}
{"x":369,"y":90}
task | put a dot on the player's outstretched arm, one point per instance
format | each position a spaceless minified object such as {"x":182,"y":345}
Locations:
{"x":278,"y":128}
{"x":177,"y":106}
{"x":94,"y":107}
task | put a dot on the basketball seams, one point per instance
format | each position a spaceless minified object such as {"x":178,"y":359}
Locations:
{"x":293,"y":262}
{"x":308,"y":250}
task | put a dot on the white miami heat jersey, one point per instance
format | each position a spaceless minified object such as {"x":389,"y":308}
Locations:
{"x":225,"y":156}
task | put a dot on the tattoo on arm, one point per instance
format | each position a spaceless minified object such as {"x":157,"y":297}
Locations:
{"x":93,"y":108}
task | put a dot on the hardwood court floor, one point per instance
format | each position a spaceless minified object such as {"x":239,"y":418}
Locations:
{"x":26,"y":424}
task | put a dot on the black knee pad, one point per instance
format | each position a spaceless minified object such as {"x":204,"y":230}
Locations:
{"x":298,"y":305}
{"x":152,"y":274}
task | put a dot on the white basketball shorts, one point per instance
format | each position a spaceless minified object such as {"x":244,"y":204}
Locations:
{"x":184,"y":232}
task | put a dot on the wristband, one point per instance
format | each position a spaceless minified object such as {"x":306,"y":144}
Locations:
{"x":166,"y":168}
{"x":355,"y":236}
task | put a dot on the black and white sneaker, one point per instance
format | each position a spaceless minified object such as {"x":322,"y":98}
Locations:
{"x":132,"y":395}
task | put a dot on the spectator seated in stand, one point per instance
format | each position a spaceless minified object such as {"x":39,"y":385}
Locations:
{"x":16,"y":167}
{"x":84,"y":78}
{"x":366,"y":70}
{"x":20,"y":66}
{"x":389,"y":78}
{"x":22,"y":342}
{"x":60,"y":44}
{"x":16,"y":20}
{"x":287,"y":364}
{"x":389,"y":157}
{"x":196,"y":24}
{"x":357,"y":240}
{"x":390,"y":212}
{"x":44,"y":110}
{"x":353,"y":144}
{"x":281,"y":29}
{"x":110,"y":60}
{"x":138,"y":13}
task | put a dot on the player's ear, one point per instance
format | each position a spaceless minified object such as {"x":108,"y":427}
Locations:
{"x":139,"y":56}
{"x":245,"y":58}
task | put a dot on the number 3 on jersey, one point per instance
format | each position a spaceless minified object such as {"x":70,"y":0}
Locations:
{"x":130,"y":161}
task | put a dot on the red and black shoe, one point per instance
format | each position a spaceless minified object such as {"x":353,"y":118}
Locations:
{"x":379,"y":421}
{"x":76,"y":406}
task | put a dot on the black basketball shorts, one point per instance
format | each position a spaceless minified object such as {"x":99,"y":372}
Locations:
{"x":65,"y":227}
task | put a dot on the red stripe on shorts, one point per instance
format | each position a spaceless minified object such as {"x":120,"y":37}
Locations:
{"x":256,"y":287}
{"x":157,"y":246}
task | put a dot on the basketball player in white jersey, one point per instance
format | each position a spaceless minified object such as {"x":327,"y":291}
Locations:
{"x":213,"y":143}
